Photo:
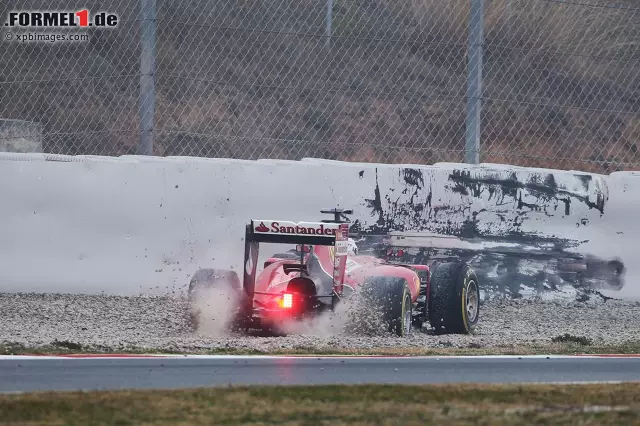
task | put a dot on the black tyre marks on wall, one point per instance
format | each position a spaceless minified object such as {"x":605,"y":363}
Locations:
{"x":541,"y":186}
{"x":493,"y":206}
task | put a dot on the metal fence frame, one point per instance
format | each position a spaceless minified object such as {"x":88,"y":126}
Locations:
{"x":474,"y":75}
{"x":536,"y":83}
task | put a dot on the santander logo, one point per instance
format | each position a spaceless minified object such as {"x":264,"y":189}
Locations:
{"x":292,"y":228}
{"x":262,"y":228}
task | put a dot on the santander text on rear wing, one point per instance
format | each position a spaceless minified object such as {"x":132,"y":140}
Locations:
{"x":285,"y":232}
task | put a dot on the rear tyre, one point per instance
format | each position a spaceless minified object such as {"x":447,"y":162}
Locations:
{"x":392,"y":297}
{"x":206,"y":280}
{"x":454,"y":298}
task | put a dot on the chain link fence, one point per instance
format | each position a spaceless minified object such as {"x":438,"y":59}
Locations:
{"x":542,"y":83}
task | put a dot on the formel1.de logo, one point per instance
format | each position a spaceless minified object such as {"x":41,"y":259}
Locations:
{"x":61,"y":19}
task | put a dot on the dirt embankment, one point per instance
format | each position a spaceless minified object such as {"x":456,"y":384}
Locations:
{"x":251,"y":80}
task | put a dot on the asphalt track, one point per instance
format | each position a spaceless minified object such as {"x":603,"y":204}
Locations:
{"x":37,"y":373}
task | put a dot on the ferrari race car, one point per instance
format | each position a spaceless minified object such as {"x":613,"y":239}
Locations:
{"x":325,"y":269}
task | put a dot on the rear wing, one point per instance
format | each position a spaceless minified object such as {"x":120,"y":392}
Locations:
{"x":285,"y":232}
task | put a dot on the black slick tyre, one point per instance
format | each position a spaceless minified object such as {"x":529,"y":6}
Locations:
{"x":454,"y":298}
{"x":210,"y":279}
{"x":392,"y":297}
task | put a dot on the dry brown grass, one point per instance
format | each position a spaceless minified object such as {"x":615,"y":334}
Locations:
{"x":336,"y":405}
{"x":561,"y":84}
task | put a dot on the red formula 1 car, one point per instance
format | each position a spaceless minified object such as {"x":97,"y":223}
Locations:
{"x":325,"y":269}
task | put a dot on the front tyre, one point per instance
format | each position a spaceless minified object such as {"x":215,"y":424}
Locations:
{"x":454,"y":298}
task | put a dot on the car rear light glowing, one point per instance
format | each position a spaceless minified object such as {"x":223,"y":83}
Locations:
{"x":287,"y":301}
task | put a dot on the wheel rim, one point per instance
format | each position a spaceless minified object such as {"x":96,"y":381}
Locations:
{"x":407,"y":315}
{"x":472,"y":301}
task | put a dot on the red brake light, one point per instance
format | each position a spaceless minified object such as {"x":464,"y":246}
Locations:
{"x":287,"y":301}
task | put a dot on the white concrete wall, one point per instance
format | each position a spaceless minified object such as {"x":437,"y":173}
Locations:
{"x":131,"y":225}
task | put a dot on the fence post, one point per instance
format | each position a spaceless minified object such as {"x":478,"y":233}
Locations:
{"x":474,"y":81}
{"x":329,"y":23}
{"x":147,"y":75}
